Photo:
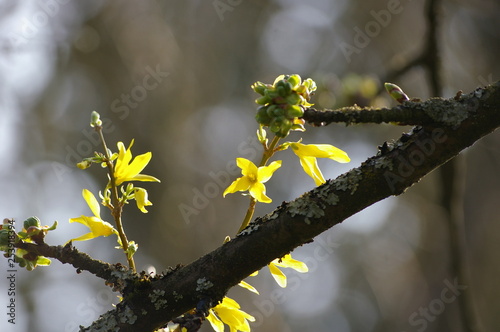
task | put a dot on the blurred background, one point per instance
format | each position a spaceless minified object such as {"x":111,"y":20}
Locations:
{"x":175,"y":76}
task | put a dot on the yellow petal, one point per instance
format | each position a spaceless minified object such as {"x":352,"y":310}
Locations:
{"x":97,"y":227}
{"x":141,"y":198}
{"x":264,"y":173}
{"x":228,"y":311}
{"x":216,"y":323}
{"x":288,"y":261}
{"x":277,"y":275}
{"x":246,"y":285}
{"x":310,"y":166}
{"x":92,"y":202}
{"x":320,"y":151}
{"x":247,"y":167}
{"x":240,"y":184}
{"x":144,"y":178}
{"x":258,"y":191}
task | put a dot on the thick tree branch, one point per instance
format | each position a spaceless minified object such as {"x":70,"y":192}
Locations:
{"x":151,"y":303}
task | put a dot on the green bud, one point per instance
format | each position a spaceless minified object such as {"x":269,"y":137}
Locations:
{"x":294,"y":80}
{"x":286,"y":125}
{"x":84,"y":164}
{"x":271,"y":93}
{"x":288,"y":88}
{"x":32,"y":221}
{"x":278,"y":111}
{"x":95,"y":119}
{"x":263,"y":100}
{"x":294,"y":111}
{"x":293,"y":99}
{"x":275,"y":125}
{"x":270,"y":110}
{"x":262,"y":116}
{"x":4,"y":239}
{"x":259,"y":87}
{"x":396,"y":92}
{"x":281,"y":90}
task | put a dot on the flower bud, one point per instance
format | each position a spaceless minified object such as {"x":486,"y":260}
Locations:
{"x":294,"y":80}
{"x":278,"y":111}
{"x":259,"y":87}
{"x":294,"y":111}
{"x":95,"y":119}
{"x":270,"y":110}
{"x":292,"y":99}
{"x":84,"y":164}
{"x":396,"y":92}
{"x":32,"y":221}
{"x":285,"y":127}
{"x":263,"y":100}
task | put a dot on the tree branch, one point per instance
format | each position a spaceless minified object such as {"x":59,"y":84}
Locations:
{"x":149,"y":303}
{"x":117,"y":275}
{"x":414,"y":113}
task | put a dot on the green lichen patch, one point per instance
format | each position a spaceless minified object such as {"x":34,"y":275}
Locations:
{"x":312,"y":204}
{"x":128,"y":316}
{"x":349,"y":181}
{"x":382,"y":162}
{"x":250,"y":229}
{"x":449,"y":112}
{"x":203,"y":284}
{"x":157,"y":298}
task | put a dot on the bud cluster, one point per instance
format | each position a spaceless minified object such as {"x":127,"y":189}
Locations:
{"x":283,"y":103}
{"x":33,"y":232}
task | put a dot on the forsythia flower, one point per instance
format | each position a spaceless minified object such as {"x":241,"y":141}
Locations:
{"x":228,"y":312}
{"x":97,"y":226}
{"x":253,"y":179}
{"x":129,"y":171}
{"x":141,"y":198}
{"x":308,"y":153}
{"x":286,"y":261}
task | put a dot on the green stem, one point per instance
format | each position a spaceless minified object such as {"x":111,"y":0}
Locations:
{"x":268,"y":153}
{"x":117,"y":207}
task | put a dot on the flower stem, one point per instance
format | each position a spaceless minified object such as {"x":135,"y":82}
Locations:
{"x":117,"y":207}
{"x":268,"y":153}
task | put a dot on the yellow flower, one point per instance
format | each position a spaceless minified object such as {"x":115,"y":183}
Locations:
{"x":286,"y":261}
{"x":228,"y":312}
{"x":308,"y":153}
{"x":97,"y":226}
{"x":141,"y":198}
{"x":253,"y":179}
{"x":129,"y":171}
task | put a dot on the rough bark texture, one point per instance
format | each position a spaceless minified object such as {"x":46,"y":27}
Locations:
{"x":449,"y":126}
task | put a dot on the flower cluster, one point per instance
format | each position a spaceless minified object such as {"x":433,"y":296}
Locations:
{"x":283,"y":103}
{"x":122,"y":167}
{"x":33,"y":232}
